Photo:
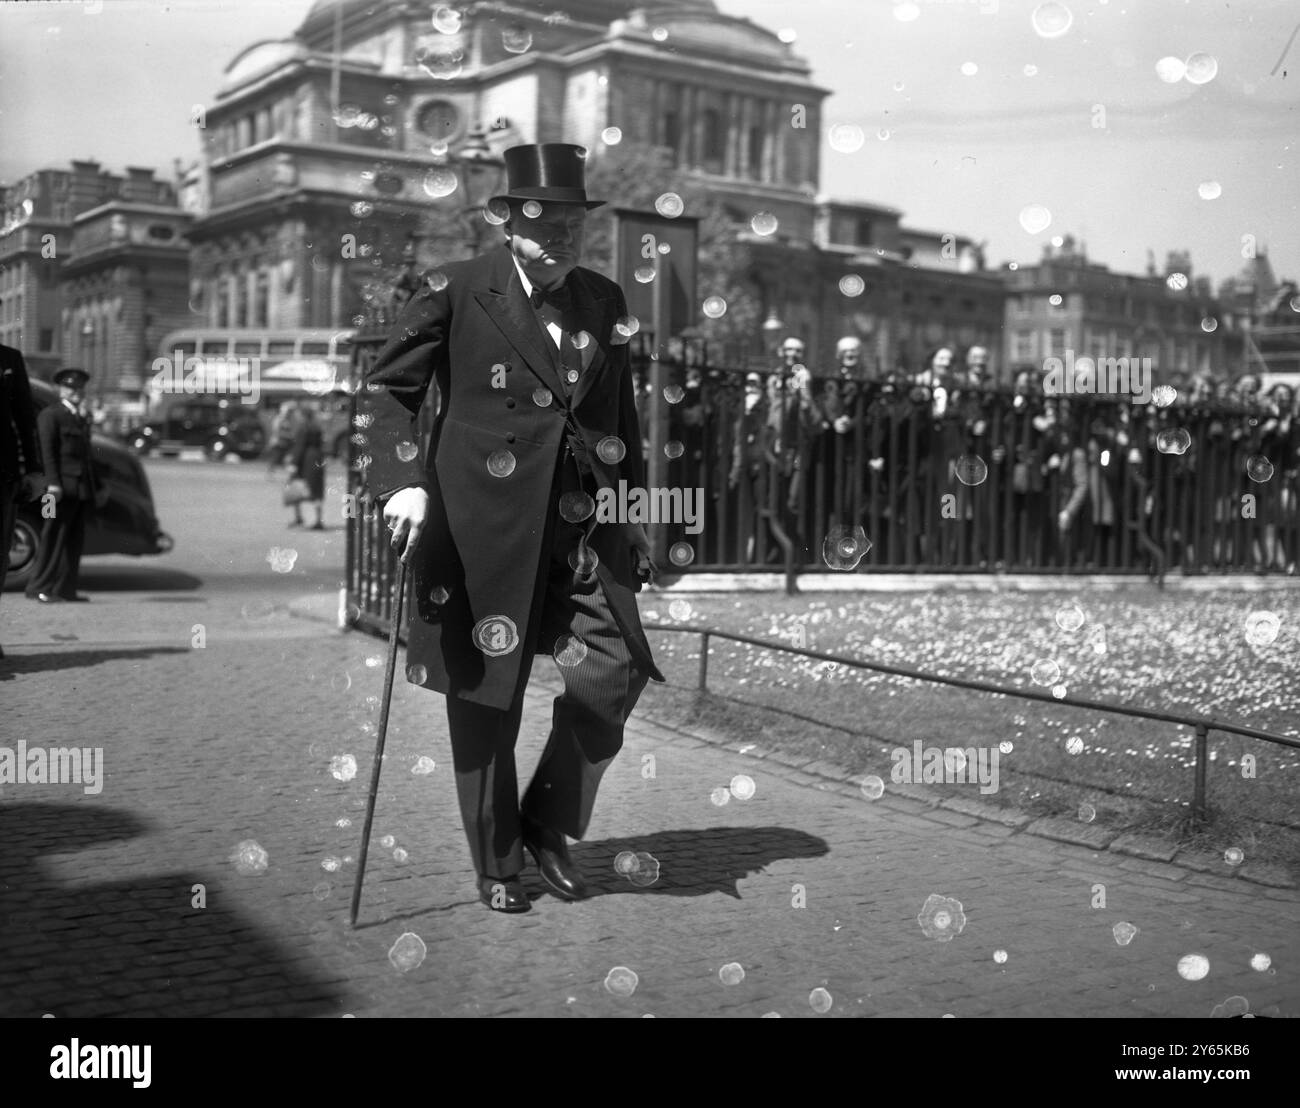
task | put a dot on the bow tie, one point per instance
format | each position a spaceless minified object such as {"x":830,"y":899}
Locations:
{"x":560,"y":298}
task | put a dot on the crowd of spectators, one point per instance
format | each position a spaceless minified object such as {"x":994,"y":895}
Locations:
{"x":943,"y":466}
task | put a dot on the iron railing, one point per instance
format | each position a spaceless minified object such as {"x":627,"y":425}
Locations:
{"x":1202,"y":725}
{"x":971,"y":481}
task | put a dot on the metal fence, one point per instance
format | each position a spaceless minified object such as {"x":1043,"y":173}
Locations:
{"x":1202,"y":725}
{"x":939,"y":479}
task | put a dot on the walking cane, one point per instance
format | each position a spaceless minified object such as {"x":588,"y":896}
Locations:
{"x":383,"y":733}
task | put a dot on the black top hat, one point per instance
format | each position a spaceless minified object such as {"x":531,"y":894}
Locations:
{"x":554,"y":171}
{"x":72,"y":377}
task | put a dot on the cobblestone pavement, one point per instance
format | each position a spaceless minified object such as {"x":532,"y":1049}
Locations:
{"x":805,"y":885}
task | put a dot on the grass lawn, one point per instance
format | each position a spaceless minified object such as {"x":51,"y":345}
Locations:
{"x":1187,"y":653}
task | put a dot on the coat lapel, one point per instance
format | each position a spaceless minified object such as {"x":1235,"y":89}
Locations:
{"x":595,"y":316}
{"x":508,"y":308}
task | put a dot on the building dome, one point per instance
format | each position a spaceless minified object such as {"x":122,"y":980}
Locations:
{"x":593,"y":11}
{"x":261,"y":57}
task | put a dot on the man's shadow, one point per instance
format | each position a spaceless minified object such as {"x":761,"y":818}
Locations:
{"x":14,"y":663}
{"x":130,"y":948}
{"x":693,"y":862}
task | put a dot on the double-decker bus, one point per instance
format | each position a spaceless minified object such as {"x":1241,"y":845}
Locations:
{"x":256,"y":370}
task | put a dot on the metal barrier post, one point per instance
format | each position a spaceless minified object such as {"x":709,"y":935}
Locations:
{"x":704,"y":662}
{"x":1199,"y":809}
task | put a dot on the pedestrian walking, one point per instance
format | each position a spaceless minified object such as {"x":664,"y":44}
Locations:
{"x":20,"y":460}
{"x":64,"y":430}
{"x":497,"y":521}
{"x":307,"y":464}
{"x":284,"y":430}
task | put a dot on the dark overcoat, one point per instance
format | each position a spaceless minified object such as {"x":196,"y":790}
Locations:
{"x":17,"y":413}
{"x":65,"y":446}
{"x":479,"y":569}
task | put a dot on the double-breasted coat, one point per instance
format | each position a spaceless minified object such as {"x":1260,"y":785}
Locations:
{"x":66,"y":448}
{"x":479,"y":570}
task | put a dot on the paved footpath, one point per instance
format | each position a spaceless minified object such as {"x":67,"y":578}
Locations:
{"x":807,"y":885}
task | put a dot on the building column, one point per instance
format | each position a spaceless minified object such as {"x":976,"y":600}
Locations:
{"x":769,"y":143}
{"x":742,"y":144}
{"x":781,"y":131}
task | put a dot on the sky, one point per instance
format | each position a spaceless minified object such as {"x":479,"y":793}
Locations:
{"x":970,"y":111}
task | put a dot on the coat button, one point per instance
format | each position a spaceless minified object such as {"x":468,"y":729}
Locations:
{"x":510,"y":401}
{"x":510,"y":438}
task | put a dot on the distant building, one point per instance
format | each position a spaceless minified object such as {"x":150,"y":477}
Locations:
{"x":1067,"y":303}
{"x":1270,"y":313}
{"x":323,"y":152}
{"x":93,"y":272}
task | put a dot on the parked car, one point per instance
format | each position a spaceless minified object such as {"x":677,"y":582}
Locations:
{"x":126,"y":524}
{"x":220,"y":427}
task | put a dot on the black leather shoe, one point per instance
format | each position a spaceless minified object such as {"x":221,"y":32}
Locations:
{"x":503,"y":894}
{"x":551,"y":854}
{"x":50,"y":598}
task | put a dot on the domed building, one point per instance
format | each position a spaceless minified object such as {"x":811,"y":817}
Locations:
{"x":323,"y":153}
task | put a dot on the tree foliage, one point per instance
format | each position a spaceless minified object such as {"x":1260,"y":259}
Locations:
{"x":633,"y":176}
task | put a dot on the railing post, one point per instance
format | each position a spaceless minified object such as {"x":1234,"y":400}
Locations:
{"x":704,"y":661}
{"x":1199,"y":810}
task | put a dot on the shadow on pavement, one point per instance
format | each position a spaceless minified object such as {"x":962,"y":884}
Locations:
{"x":133,"y":948}
{"x":13,"y":664}
{"x":692,"y":862}
{"x":131,"y":578}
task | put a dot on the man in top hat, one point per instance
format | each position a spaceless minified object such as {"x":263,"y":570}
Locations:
{"x":70,"y":490}
{"x":537,"y":416}
{"x":20,"y":460}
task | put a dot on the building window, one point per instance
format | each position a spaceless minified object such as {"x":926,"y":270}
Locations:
{"x":262,"y":300}
{"x":1056,"y":341}
{"x":757,"y":137}
{"x":711,"y":152}
{"x":223,"y":301}
{"x":47,"y":339}
{"x":242,"y":133}
{"x":1022,"y":346}
{"x":241,"y":300}
{"x":672,"y":133}
{"x":439,"y":119}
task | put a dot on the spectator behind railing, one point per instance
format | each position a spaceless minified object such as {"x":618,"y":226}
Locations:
{"x":1279,"y":447}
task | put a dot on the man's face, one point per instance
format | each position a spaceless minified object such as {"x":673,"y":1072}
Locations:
{"x":977,"y":358}
{"x":850,"y":355}
{"x":942,"y":360}
{"x":792,"y":352}
{"x":72,"y":393}
{"x":550,"y":242}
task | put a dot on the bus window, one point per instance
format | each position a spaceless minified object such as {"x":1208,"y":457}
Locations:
{"x":317,"y":348}
{"x":186,"y":348}
{"x":214,"y":346}
{"x":248,"y":349}
{"x":278,"y":349}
